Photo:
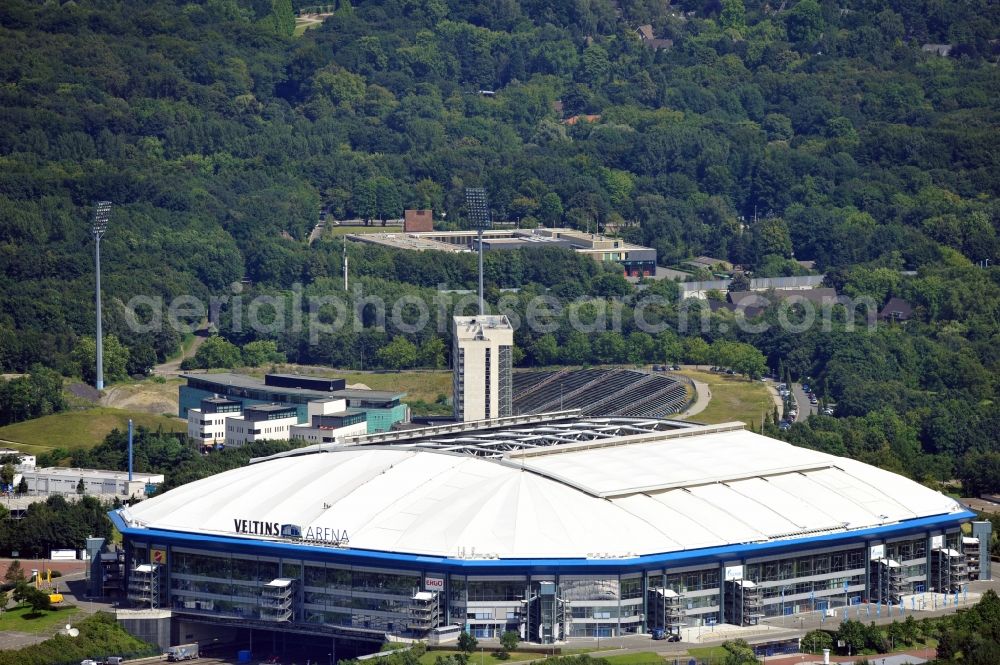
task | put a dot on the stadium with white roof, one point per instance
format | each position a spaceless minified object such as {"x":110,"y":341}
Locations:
{"x":552,"y":525}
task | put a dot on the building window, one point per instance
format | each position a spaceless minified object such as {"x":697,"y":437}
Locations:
{"x":504,"y":381}
{"x":488,"y":377}
{"x":459,"y":387}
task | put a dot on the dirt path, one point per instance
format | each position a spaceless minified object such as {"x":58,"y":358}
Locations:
{"x":144,"y":397}
{"x":173,"y":367}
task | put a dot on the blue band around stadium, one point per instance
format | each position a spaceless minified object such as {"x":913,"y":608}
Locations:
{"x":355,"y":557}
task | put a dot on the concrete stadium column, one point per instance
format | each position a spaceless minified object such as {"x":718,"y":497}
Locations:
{"x":618,"y":621}
{"x":645,"y":601}
{"x":722,"y":593}
{"x":929,"y":557}
{"x":983,"y":531}
{"x":868,"y":571}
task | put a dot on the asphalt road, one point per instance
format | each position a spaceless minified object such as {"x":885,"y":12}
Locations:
{"x":802,"y":400}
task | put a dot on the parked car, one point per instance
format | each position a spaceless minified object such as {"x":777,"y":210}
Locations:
{"x":675,"y":368}
{"x":784,"y":425}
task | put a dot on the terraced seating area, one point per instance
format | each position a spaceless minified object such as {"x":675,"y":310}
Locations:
{"x":554,"y":390}
{"x":598,"y":392}
{"x":525,"y":381}
{"x":663,"y":397}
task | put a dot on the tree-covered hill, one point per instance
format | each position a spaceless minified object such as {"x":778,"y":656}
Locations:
{"x":758,"y":132}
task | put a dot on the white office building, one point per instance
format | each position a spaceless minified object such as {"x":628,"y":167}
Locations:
{"x":261,"y":422}
{"x":207,"y":424}
{"x":329,"y":422}
{"x":482,"y":359}
{"x":27,"y":461}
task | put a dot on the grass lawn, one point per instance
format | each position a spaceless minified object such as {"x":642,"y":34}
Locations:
{"x":710,"y":654}
{"x":733,"y":398}
{"x":638,"y":658}
{"x":479,"y":657}
{"x":376,"y":227}
{"x":424,"y":385}
{"x":21,"y":620}
{"x":80,"y":429}
{"x":419,"y":385}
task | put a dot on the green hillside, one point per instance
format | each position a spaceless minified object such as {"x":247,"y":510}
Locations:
{"x":807,"y":136}
{"x":80,"y":429}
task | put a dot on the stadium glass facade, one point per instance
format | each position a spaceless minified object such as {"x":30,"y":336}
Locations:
{"x":223,"y":578}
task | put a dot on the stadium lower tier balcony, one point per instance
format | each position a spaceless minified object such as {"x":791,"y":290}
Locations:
{"x":144,"y":586}
{"x":276,"y":600}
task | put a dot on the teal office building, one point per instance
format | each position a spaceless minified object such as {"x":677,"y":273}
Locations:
{"x":382,"y":408}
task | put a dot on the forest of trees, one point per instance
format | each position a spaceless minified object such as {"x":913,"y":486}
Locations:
{"x":820,"y":131}
{"x":54,"y":524}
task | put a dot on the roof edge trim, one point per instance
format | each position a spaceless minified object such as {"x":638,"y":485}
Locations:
{"x":423,"y":562}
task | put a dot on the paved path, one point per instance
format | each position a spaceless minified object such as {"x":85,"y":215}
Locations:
{"x":802,"y":400}
{"x":13,"y":640}
{"x":779,"y":403}
{"x":703,"y":395}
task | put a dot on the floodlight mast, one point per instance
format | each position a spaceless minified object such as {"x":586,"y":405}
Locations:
{"x":479,"y":213}
{"x":102,"y":210}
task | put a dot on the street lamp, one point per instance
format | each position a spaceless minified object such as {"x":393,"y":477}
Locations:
{"x":102,"y":210}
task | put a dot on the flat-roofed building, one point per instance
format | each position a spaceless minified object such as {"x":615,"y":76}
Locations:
{"x":382,"y":408}
{"x":261,"y":422}
{"x":61,"y":480}
{"x":26,"y":461}
{"x":482,"y":360}
{"x":331,"y":427}
{"x":636,"y":260}
{"x":207,"y":424}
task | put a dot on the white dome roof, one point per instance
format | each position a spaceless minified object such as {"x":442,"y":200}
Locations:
{"x":669,"y":491}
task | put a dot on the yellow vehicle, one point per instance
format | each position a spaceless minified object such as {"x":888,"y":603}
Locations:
{"x":54,"y":595}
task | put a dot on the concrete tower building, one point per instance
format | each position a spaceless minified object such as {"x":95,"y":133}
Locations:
{"x":482,"y":359}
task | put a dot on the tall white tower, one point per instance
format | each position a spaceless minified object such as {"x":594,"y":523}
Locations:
{"x":102,"y":210}
{"x":482,"y":356}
